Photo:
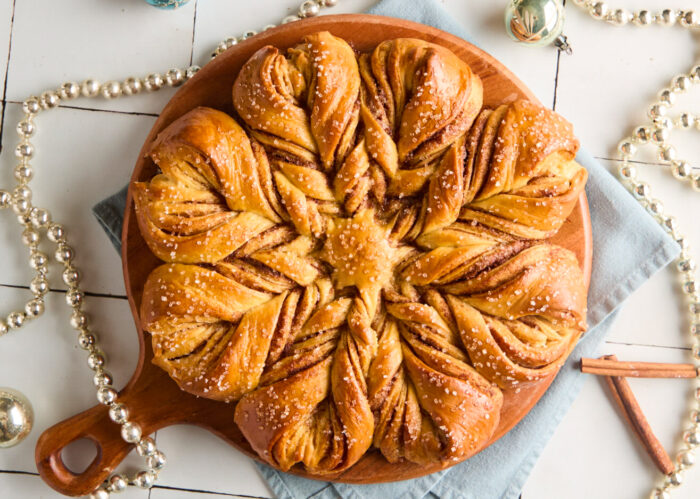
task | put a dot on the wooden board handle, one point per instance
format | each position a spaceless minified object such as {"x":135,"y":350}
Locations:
{"x":93,"y":424}
{"x":152,"y":398}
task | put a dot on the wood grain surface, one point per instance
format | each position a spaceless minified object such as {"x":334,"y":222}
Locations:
{"x":153,"y":399}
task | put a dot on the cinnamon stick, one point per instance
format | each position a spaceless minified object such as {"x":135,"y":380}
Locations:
{"x":608,"y":367}
{"x":622,"y":393}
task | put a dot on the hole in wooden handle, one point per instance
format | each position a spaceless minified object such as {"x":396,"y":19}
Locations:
{"x":78,"y":455}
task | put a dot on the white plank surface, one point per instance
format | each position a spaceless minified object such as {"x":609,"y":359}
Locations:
{"x":85,"y":154}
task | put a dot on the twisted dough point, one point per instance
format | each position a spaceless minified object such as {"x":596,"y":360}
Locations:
{"x":303,"y":109}
{"x":319,"y":416}
{"x":418,"y":99}
{"x":431,"y":405}
{"x":520,"y":319}
{"x":213,"y":194}
{"x":214,"y":333}
{"x":361,"y":265}
{"x":521,"y":177}
{"x":272,"y":95}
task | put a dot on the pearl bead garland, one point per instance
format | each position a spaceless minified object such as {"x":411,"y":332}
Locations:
{"x":619,"y":17}
{"x":655,"y":133}
{"x":309,"y":8}
{"x":34,"y":219}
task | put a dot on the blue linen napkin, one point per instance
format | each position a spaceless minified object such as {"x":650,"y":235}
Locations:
{"x":629,"y":247}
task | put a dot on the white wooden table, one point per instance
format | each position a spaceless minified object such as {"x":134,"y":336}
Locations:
{"x":86,"y":151}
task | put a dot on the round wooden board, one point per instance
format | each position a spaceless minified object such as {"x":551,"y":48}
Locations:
{"x":154,"y":400}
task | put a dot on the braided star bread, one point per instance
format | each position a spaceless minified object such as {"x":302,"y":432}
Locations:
{"x":359,"y":258}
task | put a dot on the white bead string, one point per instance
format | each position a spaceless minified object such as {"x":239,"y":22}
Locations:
{"x":686,"y":266}
{"x":643,"y":17}
{"x":657,"y":133}
{"x":310,"y":8}
{"x":34,"y":219}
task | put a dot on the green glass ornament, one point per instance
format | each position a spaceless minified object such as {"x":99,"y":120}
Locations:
{"x":167,"y":4}
{"x":537,"y":23}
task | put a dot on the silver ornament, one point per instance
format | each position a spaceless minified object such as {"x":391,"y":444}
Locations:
{"x":685,"y":459}
{"x":23,"y":172}
{"x":643,"y":18}
{"x":30,"y":237}
{"x":64,"y":253}
{"x":16,"y":417}
{"x":535,"y":22}
{"x":55,"y":232}
{"x":22,"y":191}
{"x":599,"y":10}
{"x":95,"y":360}
{"x":71,"y":276}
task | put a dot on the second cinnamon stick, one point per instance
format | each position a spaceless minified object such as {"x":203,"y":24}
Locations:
{"x":609,"y":367}
{"x":622,"y":393}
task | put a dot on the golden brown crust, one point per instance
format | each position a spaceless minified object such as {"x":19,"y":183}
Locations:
{"x":359,"y":261}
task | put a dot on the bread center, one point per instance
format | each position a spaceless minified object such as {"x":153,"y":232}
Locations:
{"x":359,"y":251}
